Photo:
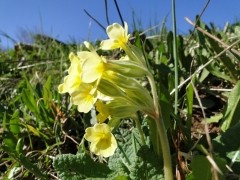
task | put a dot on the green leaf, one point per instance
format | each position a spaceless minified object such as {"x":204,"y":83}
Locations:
{"x":231,"y":111}
{"x":206,"y":103}
{"x":146,"y":165}
{"x":29,"y":100}
{"x":19,"y":146}
{"x":116,"y":163}
{"x":165,"y":104}
{"x":190,"y":176}
{"x":126,"y":150}
{"x":214,"y":48}
{"x":204,"y":75}
{"x":138,"y":42}
{"x":170,"y":46}
{"x":39,"y":89}
{"x":31,"y":167}
{"x":47,"y":95}
{"x":189,"y":93}
{"x":214,"y":119}
{"x":9,"y":140}
{"x":154,"y":137}
{"x":36,"y":132}
{"x":15,"y":123}
{"x":228,"y":146}
{"x":114,"y":124}
{"x":80,"y":166}
{"x":237,"y":30}
{"x":201,"y":168}
{"x":13,"y":147}
{"x":4,"y":123}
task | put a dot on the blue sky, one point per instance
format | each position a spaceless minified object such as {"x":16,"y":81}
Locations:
{"x":65,"y":19}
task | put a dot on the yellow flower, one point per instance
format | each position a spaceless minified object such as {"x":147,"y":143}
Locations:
{"x":118,"y":37}
{"x":92,"y":66}
{"x":85,"y":97}
{"x":102,"y":140}
{"x":73,"y":80}
{"x":103,"y":111}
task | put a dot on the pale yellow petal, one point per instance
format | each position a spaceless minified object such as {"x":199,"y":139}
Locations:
{"x":103,"y":128}
{"x":90,"y":135}
{"x":115,"y":31}
{"x":126,"y":30}
{"x":85,"y":54}
{"x":92,"y":70}
{"x":109,"y":44}
{"x":84,"y":101}
{"x":62,"y":88}
{"x":74,"y":59}
{"x":113,"y":141}
{"x":102,"y":140}
{"x":86,"y":105}
{"x":85,"y":97}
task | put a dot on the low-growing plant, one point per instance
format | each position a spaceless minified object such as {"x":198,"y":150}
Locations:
{"x":114,"y":115}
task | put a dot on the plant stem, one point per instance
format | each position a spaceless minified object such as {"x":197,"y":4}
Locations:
{"x":162,"y":132}
{"x":175,"y":55}
{"x":140,"y":130}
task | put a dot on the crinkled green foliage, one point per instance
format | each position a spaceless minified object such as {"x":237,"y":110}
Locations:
{"x":146,"y":165}
{"x":80,"y":166}
{"x":128,"y":145}
{"x":132,"y":161}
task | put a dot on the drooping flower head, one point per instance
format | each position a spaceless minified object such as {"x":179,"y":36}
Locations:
{"x":118,"y":37}
{"x":93,"y":64}
{"x":73,"y":80}
{"x":102,"y":140}
{"x":85,"y":97}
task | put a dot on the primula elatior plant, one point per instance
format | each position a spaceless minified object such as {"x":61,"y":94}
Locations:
{"x":114,"y":87}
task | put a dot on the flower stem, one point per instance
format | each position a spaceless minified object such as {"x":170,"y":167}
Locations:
{"x":161,"y":131}
{"x":140,"y":129}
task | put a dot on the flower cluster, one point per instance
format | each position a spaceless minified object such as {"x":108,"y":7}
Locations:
{"x":111,"y":85}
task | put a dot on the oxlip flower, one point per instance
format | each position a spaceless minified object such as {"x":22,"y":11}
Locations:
{"x":73,"y":80}
{"x":102,"y":140}
{"x":118,"y":37}
{"x":85,"y":97}
{"x":93,"y":64}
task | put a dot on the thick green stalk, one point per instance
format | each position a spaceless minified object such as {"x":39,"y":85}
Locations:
{"x":162,"y":132}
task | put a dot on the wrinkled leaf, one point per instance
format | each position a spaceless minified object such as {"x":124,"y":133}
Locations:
{"x":146,"y":165}
{"x":80,"y":166}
